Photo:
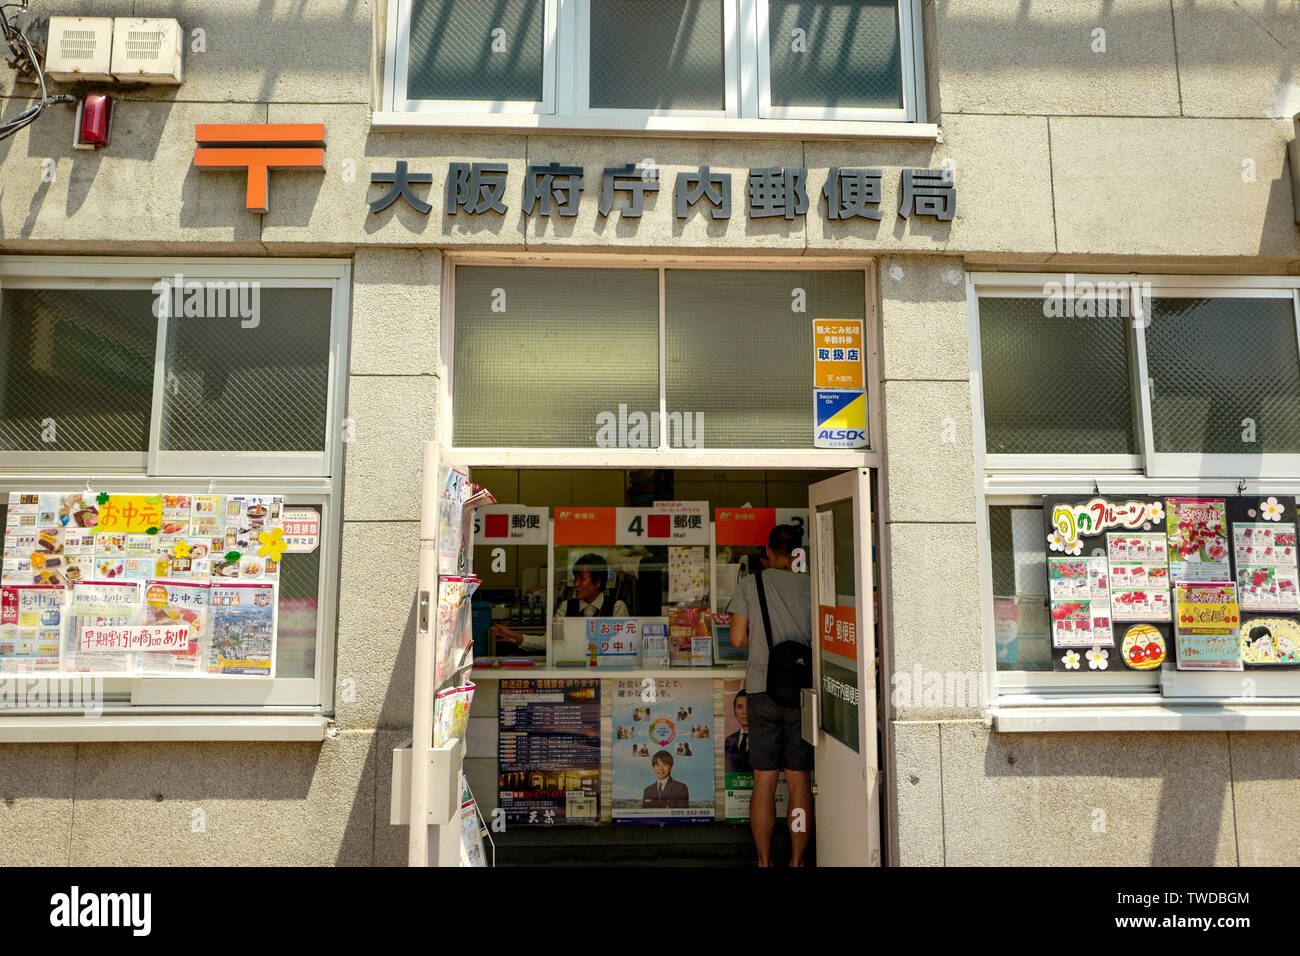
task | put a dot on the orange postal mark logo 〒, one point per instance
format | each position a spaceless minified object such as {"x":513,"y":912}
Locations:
{"x":259,"y":148}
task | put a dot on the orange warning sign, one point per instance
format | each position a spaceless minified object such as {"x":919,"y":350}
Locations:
{"x":837,"y":353}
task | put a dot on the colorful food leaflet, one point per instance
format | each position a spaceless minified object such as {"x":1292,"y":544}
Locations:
{"x":690,"y":637}
{"x":1198,"y":540}
{"x":455,"y":634}
{"x":1265,"y":557}
{"x":1080,"y":602}
{"x":101,"y":604}
{"x":1207,"y":624}
{"x":242,"y":629}
{"x":174,"y":602}
{"x":1139,"y":576}
{"x":61,"y":538}
{"x":28,"y":650}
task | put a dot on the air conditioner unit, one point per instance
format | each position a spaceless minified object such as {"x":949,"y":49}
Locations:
{"x":146,"y":50}
{"x":79,"y":48}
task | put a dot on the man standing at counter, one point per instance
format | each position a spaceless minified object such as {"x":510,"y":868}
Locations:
{"x":775,"y":732}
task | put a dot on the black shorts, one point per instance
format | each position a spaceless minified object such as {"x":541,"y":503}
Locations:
{"x":776,"y":736}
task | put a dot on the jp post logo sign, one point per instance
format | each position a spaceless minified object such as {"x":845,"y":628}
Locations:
{"x":839,"y":419}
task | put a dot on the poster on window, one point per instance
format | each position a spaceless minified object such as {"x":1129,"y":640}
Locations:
{"x":1198,"y":540}
{"x":59,"y":538}
{"x":1107,"y":581}
{"x":663,"y":751}
{"x":1208,"y":627}
{"x":548,"y":751}
{"x":738,"y":774}
{"x":1262,"y":530}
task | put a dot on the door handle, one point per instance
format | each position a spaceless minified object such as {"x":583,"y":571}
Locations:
{"x":815,"y":790}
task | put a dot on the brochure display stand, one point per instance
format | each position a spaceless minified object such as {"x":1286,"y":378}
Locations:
{"x":433,"y":785}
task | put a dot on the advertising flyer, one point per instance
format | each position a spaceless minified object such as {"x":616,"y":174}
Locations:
{"x":96,"y":604}
{"x":1080,"y":602}
{"x":177,"y":603}
{"x":1198,"y":540}
{"x":738,"y":774}
{"x":690,"y":637}
{"x":663,"y":752}
{"x":548,"y":751}
{"x":1107,"y":570}
{"x":688,"y":575}
{"x":613,"y":642}
{"x":1139,"y":576}
{"x":1263,"y":530}
{"x":242,"y":629}
{"x":28,"y":650}
{"x":1207,"y":625}
{"x":61,"y":538}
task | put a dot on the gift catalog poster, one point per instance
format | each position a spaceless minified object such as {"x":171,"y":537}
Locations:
{"x":663,"y":751}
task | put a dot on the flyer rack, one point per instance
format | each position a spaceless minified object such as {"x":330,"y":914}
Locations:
{"x":432,"y":797}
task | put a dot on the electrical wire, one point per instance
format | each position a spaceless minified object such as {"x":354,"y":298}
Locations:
{"x":22,"y":49}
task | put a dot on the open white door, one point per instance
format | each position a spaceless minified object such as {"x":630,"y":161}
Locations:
{"x":840,"y":709}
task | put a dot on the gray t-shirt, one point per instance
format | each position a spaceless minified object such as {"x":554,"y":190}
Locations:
{"x":789,"y":602}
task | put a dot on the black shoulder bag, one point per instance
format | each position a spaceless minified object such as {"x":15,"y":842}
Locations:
{"x":789,"y":664}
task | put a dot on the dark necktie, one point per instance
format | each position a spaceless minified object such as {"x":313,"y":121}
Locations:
{"x":742,"y":752}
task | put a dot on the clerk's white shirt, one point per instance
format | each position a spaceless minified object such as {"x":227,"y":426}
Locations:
{"x":592,"y":608}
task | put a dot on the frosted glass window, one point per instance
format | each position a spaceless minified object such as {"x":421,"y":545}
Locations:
{"x":76,"y":369}
{"x":476,"y":50}
{"x":1020,"y":613}
{"x":1053,"y":385}
{"x":542,"y":354}
{"x":738,"y":353}
{"x":230,"y":386}
{"x":1225,"y":376}
{"x":657,"y":54}
{"x":835,"y":54}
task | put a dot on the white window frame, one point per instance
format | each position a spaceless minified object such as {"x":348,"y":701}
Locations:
{"x":908,"y":19}
{"x":186,"y":708}
{"x":399,"y":56}
{"x":1022,"y":480}
{"x":747,"y":108}
{"x":17,"y":272}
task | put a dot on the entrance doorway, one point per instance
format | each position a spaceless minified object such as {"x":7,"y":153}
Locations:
{"x":541,"y":538}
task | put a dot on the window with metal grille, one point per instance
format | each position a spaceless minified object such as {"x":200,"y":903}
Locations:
{"x":1114,"y":386}
{"x":191,"y":377}
{"x":551,"y":357}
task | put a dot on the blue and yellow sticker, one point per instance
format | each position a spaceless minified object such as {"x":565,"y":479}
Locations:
{"x":839,"y":418}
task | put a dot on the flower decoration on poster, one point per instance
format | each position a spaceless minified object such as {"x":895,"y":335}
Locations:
{"x":1098,"y":658}
{"x":1071,"y":660}
{"x":1270,"y":510}
{"x":272,"y":544}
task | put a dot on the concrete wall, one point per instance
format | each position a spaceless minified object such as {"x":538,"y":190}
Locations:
{"x":1166,"y":151}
